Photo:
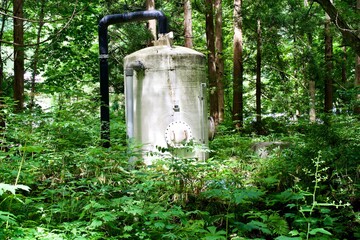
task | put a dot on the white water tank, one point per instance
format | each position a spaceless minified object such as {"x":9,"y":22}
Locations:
{"x":166,"y":102}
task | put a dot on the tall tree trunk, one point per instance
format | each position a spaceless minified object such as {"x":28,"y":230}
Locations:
{"x":312,"y":92}
{"x":357,"y":84}
{"x":310,"y":76}
{"x":219,"y":60}
{"x":312,"y":84}
{"x":150,"y":5}
{"x":2,"y":27}
{"x":328,"y":103}
{"x":210,"y":43}
{"x":238,"y":66}
{"x":357,"y":72}
{"x":258,"y":73}
{"x":18,"y":54}
{"x":343,"y":65}
{"x":36,"y":54}
{"x":188,"y":24}
{"x":2,"y":120}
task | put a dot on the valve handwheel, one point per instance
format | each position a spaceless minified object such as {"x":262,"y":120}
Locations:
{"x":177,"y":134}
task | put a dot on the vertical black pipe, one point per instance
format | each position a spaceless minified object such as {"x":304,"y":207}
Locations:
{"x":104,"y":66}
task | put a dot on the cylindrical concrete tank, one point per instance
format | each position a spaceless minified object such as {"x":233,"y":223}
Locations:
{"x":166,"y":102}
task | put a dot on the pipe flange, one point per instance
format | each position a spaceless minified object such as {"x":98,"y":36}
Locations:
{"x":177,"y":134}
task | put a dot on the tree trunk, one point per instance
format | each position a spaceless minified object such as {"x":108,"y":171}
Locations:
{"x":36,"y":55}
{"x":238,"y":66}
{"x":210,"y":43}
{"x":328,"y":105}
{"x":310,"y":75}
{"x":219,"y":60}
{"x":18,"y":55}
{"x":188,"y":24}
{"x":312,"y":92}
{"x":150,"y":5}
{"x":343,"y":66}
{"x":357,"y":84}
{"x":2,"y":119}
{"x":258,"y":73}
{"x":3,"y":21}
{"x":357,"y":73}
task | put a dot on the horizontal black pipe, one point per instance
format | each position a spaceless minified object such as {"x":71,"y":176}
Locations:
{"x":104,"y":66}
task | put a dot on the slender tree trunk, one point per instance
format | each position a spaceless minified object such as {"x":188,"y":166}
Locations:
{"x":312,"y":91}
{"x":219,"y":59}
{"x":357,"y":72}
{"x":18,"y":55}
{"x":188,"y":24}
{"x":310,"y":75}
{"x":343,"y":65}
{"x":328,"y":105}
{"x":150,"y":5}
{"x":357,"y":84}
{"x":210,"y":43}
{"x":2,"y":120}
{"x":3,"y":21}
{"x":36,"y":55}
{"x":238,"y":66}
{"x":312,"y":83}
{"x":258,"y":73}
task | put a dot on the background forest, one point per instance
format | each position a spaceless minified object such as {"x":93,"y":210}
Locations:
{"x":284,"y":91}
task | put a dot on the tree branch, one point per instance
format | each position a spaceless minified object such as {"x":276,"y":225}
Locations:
{"x":49,"y":38}
{"x":348,"y":34}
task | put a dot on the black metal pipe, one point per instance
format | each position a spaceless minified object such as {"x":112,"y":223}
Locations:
{"x":104,"y":66}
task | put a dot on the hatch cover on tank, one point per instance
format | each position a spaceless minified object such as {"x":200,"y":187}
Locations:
{"x":177,"y":134}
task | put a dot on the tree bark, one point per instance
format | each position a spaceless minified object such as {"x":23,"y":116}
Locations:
{"x":328,"y":103}
{"x":219,"y":60}
{"x":348,"y":34}
{"x":150,"y":5}
{"x":18,"y":55}
{"x":258,"y":73}
{"x":3,"y":21}
{"x":2,"y":119}
{"x":357,"y":85}
{"x":343,"y":66}
{"x":36,"y":55}
{"x":357,"y":72}
{"x":310,"y":65}
{"x":238,"y":66}
{"x":188,"y":24}
{"x":210,"y":43}
{"x":312,"y":92}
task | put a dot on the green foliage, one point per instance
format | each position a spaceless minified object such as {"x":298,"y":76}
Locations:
{"x":82,"y":191}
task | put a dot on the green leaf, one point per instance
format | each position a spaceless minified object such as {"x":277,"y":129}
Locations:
{"x":7,"y":217}
{"x":259,"y":226}
{"x":213,"y":234}
{"x":294,"y":233}
{"x":287,"y":238}
{"x":32,"y":149}
{"x":212,"y":229}
{"x":128,"y":228}
{"x":106,"y":216}
{"x":319,"y":230}
{"x":95,"y":224}
{"x":159,"y":225}
{"x":243,"y":195}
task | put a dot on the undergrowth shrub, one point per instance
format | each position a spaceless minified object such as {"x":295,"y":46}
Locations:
{"x":80,"y":190}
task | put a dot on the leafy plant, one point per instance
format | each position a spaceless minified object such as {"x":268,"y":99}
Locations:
{"x":312,"y":204}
